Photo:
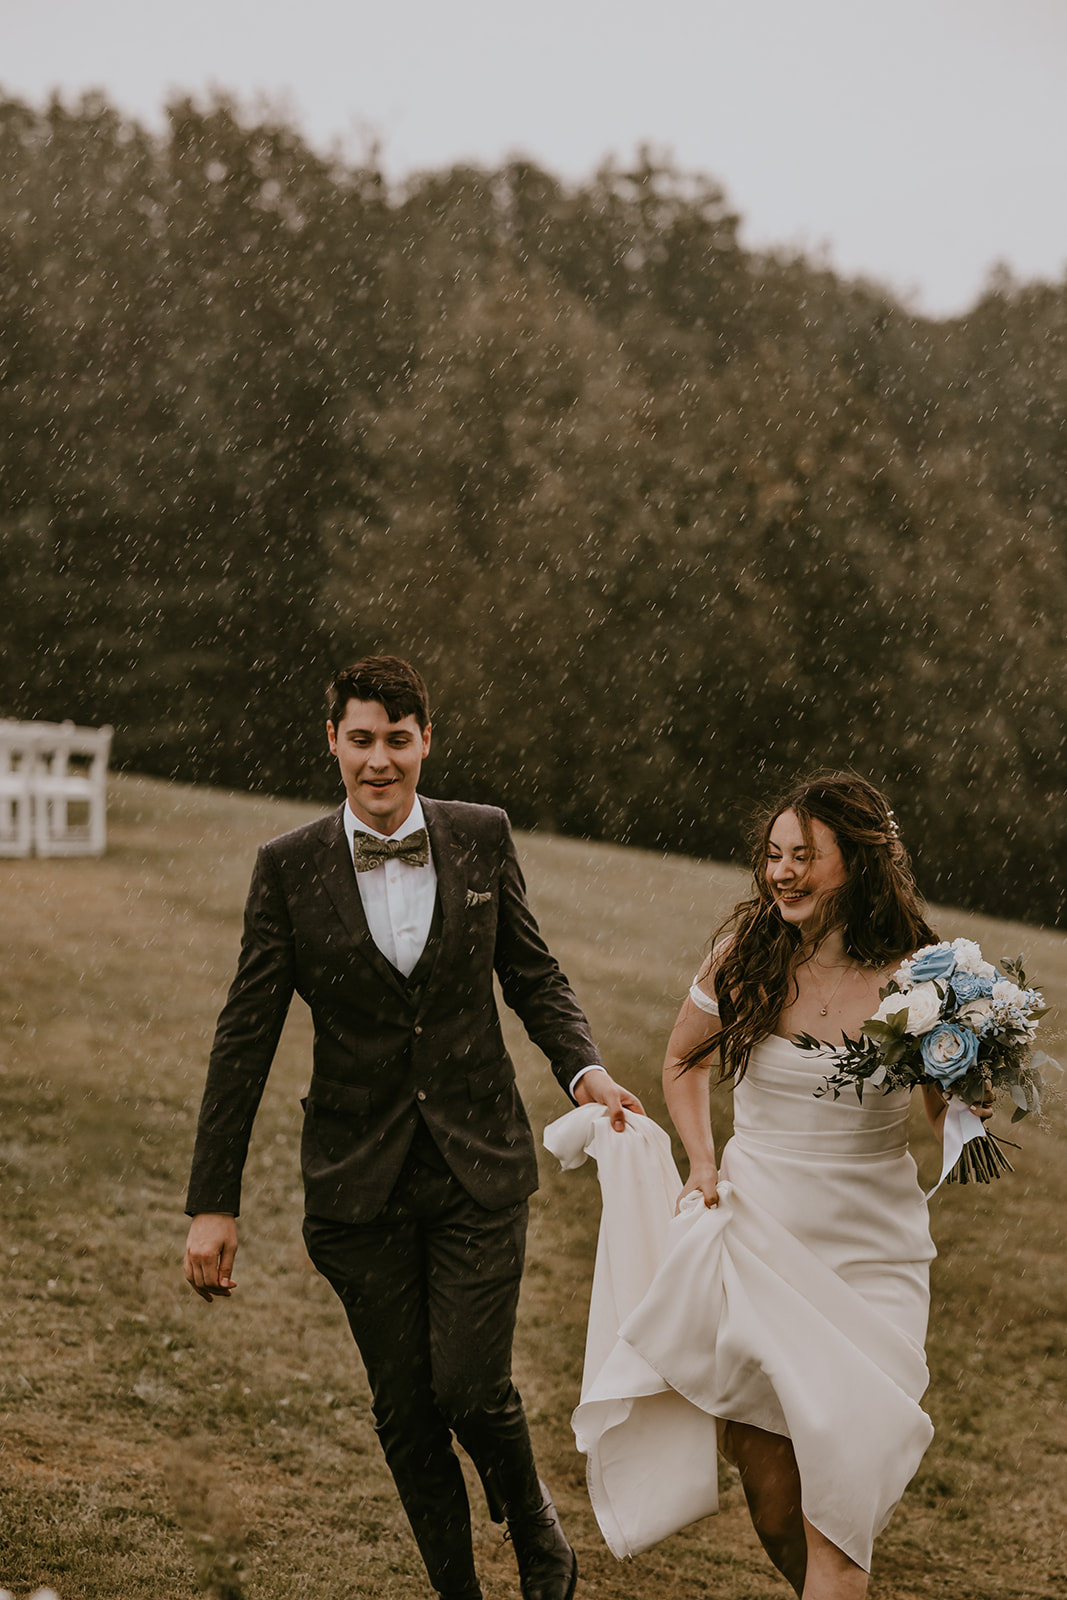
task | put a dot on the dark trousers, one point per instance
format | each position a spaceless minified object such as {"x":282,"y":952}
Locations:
{"x":430,"y":1287}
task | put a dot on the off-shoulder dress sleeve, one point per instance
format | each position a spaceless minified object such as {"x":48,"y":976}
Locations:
{"x":703,"y":1001}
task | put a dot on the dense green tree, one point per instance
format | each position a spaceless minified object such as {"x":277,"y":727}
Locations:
{"x":664,"y":520}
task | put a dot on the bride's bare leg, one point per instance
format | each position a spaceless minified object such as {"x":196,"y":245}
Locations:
{"x":831,"y":1575}
{"x":771,"y":1483}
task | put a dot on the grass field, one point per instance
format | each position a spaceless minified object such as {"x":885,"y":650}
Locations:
{"x":154,"y":1448}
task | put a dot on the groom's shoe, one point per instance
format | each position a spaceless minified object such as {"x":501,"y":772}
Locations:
{"x":460,"y":1594}
{"x":548,"y":1567}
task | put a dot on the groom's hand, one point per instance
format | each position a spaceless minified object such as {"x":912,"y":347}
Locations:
{"x":209,"y":1252}
{"x":600,"y":1088}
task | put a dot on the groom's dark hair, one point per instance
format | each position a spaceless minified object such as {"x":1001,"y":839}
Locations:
{"x":392,"y":682}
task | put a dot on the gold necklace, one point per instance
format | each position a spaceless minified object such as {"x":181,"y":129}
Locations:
{"x":825,"y":1008}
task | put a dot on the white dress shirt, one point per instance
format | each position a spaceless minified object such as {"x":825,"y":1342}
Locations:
{"x":398,"y":899}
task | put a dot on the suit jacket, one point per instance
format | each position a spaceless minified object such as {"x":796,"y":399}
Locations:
{"x":388,"y":1051}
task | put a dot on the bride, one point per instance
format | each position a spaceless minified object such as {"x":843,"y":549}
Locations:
{"x":834,"y":910}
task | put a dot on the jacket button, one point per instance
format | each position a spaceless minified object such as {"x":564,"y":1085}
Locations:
{"x":421,"y":1095}
{"x":418,"y":1027}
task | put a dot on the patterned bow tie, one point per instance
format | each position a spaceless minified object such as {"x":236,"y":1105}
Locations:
{"x":369,"y":852}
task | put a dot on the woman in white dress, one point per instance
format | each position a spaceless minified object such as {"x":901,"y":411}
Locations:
{"x":834,"y":911}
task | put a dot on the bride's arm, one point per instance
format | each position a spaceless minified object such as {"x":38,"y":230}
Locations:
{"x":936,"y":1106}
{"x":686,"y":1094}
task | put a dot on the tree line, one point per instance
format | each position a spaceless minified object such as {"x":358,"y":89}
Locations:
{"x":664,"y":521}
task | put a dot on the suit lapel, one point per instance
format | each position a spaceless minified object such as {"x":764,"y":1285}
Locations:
{"x":451,"y":852}
{"x":336,"y":874}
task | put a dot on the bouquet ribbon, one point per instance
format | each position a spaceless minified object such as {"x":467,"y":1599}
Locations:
{"x":961,"y":1126}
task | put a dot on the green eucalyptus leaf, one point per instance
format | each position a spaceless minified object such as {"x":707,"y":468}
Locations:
{"x":892,"y":1028}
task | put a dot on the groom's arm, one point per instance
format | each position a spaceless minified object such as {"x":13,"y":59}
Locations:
{"x":246,"y":1038}
{"x":539,"y":994}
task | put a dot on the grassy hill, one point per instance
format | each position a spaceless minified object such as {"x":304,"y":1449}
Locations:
{"x":152,"y":1446}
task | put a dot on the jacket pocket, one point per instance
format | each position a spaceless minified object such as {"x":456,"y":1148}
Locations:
{"x":487,"y":1081}
{"x":344,"y":1099}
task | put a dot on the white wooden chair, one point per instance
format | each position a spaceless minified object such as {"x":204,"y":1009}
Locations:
{"x":16,"y":794}
{"x":53,"y":789}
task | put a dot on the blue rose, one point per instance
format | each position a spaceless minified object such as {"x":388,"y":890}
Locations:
{"x":967,"y":986}
{"x":938,"y":962}
{"x":948,"y":1051}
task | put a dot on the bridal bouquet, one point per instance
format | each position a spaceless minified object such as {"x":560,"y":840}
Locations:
{"x":950,"y":1018}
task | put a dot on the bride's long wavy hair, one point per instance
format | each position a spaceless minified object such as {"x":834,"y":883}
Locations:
{"x":878,"y":909}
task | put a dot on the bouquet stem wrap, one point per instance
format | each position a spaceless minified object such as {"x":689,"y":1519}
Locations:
{"x":960,"y":1128}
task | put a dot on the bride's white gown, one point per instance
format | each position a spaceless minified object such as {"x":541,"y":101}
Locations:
{"x":798,"y":1304}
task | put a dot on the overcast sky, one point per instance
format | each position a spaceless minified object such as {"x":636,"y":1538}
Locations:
{"x":914,"y":141}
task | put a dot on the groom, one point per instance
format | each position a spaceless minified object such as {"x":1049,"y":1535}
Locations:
{"x":389,"y":918}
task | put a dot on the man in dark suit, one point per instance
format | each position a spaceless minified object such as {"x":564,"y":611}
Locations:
{"x":389,"y":918}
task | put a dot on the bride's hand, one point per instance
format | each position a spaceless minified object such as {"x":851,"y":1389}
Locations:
{"x":704,"y":1180}
{"x":987,"y":1107}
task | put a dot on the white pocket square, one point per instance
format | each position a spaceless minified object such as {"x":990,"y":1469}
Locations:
{"x":476,"y":899}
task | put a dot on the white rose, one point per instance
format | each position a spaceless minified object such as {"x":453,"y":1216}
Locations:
{"x":974,"y":1013}
{"x":1008,"y":994}
{"x":890,"y":1006}
{"x":923,"y":1005}
{"x":969,"y":958}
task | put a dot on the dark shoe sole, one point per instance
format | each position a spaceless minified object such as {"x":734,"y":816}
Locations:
{"x":574,"y":1579}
